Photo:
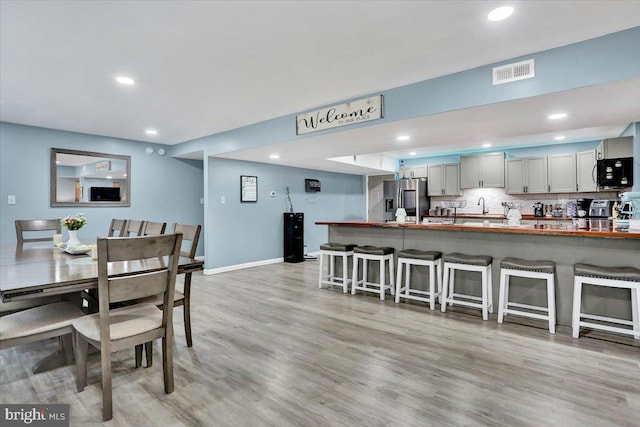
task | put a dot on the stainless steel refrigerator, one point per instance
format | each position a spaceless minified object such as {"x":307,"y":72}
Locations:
{"x":410,"y":194}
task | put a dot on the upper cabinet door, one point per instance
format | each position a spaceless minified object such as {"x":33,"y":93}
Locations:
{"x":562,"y":173}
{"x":536,"y":175}
{"x":515,"y":176}
{"x":452,"y":179}
{"x":470,"y":172}
{"x":492,"y":170}
{"x":586,"y":165}
{"x":420,"y":171}
{"x":435,"y":182}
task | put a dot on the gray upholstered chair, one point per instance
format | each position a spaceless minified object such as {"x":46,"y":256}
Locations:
{"x":150,"y":228}
{"x":40,"y":323}
{"x":117,"y":228}
{"x":36,"y":225}
{"x":111,"y":330}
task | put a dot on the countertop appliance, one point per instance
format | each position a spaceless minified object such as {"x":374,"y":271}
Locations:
{"x":629,"y":202}
{"x":538,"y":209}
{"x":583,"y":206}
{"x":601,"y":209}
{"x":410,"y":194}
{"x":615,"y":173}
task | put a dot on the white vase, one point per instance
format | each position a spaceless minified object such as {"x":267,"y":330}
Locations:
{"x":73,"y":239}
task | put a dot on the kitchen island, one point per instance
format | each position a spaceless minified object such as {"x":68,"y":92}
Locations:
{"x":562,"y":244}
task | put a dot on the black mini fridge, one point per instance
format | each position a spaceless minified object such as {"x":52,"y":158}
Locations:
{"x":293,"y":237}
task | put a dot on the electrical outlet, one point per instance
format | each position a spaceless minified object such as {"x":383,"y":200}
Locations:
{"x":11,"y":199}
{"x":272,"y":193}
{"x":223,"y":200}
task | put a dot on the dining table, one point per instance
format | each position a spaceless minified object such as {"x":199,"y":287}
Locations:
{"x":38,"y":269}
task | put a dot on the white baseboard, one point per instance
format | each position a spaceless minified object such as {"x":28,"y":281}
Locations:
{"x":241,"y":266}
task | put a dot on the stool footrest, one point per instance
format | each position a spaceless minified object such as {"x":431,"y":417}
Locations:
{"x":528,"y":307}
{"x":608,"y":328}
{"x":471,"y":297}
{"x":526,"y":314}
{"x":606,"y":319}
{"x":465,"y":303}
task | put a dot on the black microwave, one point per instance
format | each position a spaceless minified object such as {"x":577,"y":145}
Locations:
{"x":615,"y":173}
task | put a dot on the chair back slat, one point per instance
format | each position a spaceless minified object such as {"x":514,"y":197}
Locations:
{"x":150,"y":228}
{"x":117,"y":227}
{"x":133,"y":226}
{"x":23,"y":225}
{"x":140,"y":248}
{"x":190,"y":238}
{"x":134,"y":287}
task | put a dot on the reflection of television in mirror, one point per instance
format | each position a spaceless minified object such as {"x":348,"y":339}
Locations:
{"x":105,"y":194}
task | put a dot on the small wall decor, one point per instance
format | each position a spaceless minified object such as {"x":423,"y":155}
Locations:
{"x":248,"y":188}
{"x":311,"y":185}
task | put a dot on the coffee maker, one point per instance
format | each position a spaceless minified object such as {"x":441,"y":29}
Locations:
{"x":538,"y":209}
{"x":583,"y":206}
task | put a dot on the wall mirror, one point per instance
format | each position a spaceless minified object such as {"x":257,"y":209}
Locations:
{"x":85,"y":178}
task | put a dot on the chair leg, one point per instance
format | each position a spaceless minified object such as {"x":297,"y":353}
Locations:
{"x":345,"y":273}
{"x":552,"y":303}
{"x":445,"y":288}
{"x":66,"y":342}
{"x":81,"y":348}
{"x":432,"y":287}
{"x":320,"y":269}
{"x":107,"y":401}
{"x":490,"y":287}
{"x":392,"y":277}
{"x":148,"y":352}
{"x":440,"y":280}
{"x":399,"y":281}
{"x":138,"y":355}
{"x":504,"y":289}
{"x":354,"y":275}
{"x":577,"y":302}
{"x":485,"y":295}
{"x":187,"y":309}
{"x":635,"y":312}
{"x":167,"y":363}
{"x":383,"y":280}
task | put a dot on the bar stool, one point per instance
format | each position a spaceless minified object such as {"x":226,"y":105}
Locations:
{"x":613,"y":277}
{"x":479,"y":263}
{"x":430,"y":259}
{"x":544,"y":270}
{"x":333,"y":250}
{"x":384,"y":256}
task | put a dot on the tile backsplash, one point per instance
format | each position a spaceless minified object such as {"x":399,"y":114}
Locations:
{"x":495,"y":196}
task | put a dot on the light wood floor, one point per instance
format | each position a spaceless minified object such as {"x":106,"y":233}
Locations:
{"x":271,"y":349}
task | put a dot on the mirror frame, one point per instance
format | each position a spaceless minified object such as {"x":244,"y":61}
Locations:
{"x":53,"y":179}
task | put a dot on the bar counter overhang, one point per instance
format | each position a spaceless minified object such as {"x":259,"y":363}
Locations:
{"x":561,"y":244}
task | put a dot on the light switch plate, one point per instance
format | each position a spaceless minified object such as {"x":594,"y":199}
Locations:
{"x":11,"y":199}
{"x":223,"y":200}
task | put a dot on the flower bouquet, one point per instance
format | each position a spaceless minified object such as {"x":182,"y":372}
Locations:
{"x":73,"y":224}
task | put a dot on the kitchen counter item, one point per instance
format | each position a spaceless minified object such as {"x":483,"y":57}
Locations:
{"x":600,"y":208}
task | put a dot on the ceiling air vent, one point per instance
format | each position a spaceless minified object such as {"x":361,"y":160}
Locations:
{"x":513,"y":72}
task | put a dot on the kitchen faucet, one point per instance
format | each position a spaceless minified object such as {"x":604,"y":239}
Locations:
{"x":484,"y":210}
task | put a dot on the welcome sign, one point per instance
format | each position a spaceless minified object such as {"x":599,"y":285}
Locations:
{"x":359,"y":111}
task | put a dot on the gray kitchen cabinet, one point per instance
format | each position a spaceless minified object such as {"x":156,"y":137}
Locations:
{"x":586,"y":171}
{"x":561,"y":173}
{"x":526,"y":175}
{"x":615,"y":148}
{"x":482,"y":171}
{"x":413,"y":172}
{"x":444,"y":180}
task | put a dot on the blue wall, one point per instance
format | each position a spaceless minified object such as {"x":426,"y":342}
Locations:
{"x":250,"y":232}
{"x":162,"y":188}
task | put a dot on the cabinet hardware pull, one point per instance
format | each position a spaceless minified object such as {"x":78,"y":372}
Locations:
{"x":549,"y":188}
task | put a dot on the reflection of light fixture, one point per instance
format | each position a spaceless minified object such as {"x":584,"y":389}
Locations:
{"x":500,"y":13}
{"x":557,"y":116}
{"x":274,"y":156}
{"x":487,"y":145}
{"x":125,"y":80}
{"x":162,"y":151}
{"x":151,"y":132}
{"x":559,"y":137}
{"x":413,"y":153}
{"x":149,"y":150}
{"x":403,"y":138}
{"x":401,"y":215}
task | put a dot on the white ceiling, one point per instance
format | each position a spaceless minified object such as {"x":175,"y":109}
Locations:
{"x":206,"y":67}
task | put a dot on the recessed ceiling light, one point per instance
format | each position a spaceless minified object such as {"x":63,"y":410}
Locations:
{"x":559,"y":137}
{"x":403,"y":138}
{"x":275,"y":156}
{"x":109,"y":177}
{"x":125,"y":80}
{"x":413,"y":153}
{"x":151,"y":132}
{"x":57,"y":162}
{"x":500,"y":13}
{"x":487,"y":145}
{"x":557,"y":116}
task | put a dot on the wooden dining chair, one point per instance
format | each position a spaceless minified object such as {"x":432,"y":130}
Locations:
{"x":117,"y":228}
{"x":34,"y":225}
{"x":150,"y":228}
{"x":111,"y":330}
{"x":40,"y":323}
{"x":132,"y":227}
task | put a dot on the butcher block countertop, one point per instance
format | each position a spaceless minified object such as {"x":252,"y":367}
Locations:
{"x":539,"y":229}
